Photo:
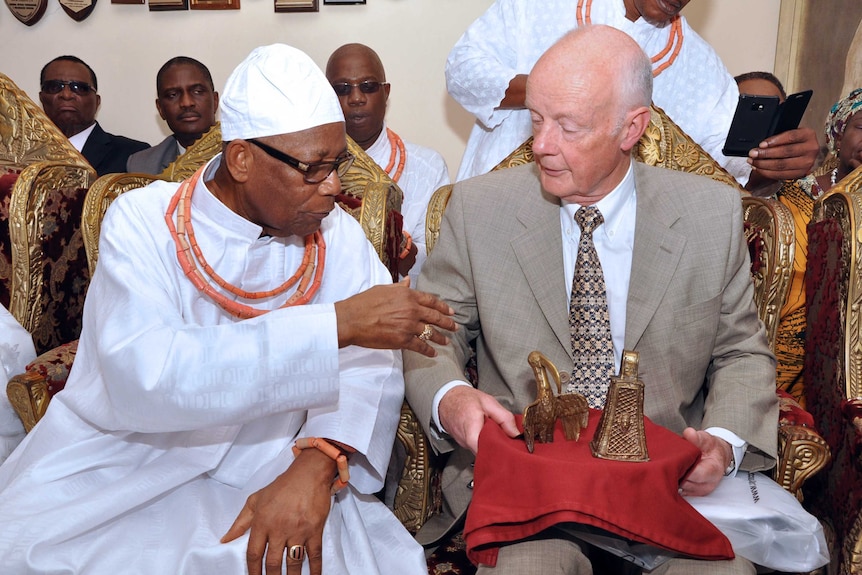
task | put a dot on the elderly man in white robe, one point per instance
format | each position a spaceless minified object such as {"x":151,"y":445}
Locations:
{"x":215,"y":405}
{"x":16,"y":351}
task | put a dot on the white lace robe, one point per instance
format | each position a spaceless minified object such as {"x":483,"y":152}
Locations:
{"x":175,"y":411}
{"x":697,"y":92}
{"x":16,"y":351}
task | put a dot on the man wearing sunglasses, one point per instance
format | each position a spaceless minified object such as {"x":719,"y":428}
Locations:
{"x":69,"y":96}
{"x":235,"y":396}
{"x":187,"y":101}
{"x":357,"y":76}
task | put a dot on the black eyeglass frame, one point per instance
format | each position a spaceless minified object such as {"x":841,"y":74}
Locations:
{"x":340,"y":165}
{"x":366,"y":87}
{"x":57,"y":86}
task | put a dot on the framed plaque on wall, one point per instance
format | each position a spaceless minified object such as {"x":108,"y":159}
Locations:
{"x":27,"y":11}
{"x":296,"y":6}
{"x":159,"y":5}
{"x":214,"y":4}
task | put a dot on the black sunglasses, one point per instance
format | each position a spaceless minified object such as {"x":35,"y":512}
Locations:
{"x":312,"y":172}
{"x":367,"y":87}
{"x":56,"y":86}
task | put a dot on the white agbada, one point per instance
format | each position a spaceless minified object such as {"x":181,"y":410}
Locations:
{"x":16,"y":351}
{"x":425,"y":170}
{"x":697,"y":91}
{"x":175,"y":411}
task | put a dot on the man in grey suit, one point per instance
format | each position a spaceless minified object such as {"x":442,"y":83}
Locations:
{"x":676,"y":270}
{"x":187,"y":101}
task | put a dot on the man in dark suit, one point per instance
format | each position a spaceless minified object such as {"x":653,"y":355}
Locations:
{"x":187,"y":102}
{"x":675,"y":273}
{"x":68,"y":93}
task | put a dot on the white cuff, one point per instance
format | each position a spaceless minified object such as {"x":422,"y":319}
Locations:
{"x":435,"y":415}
{"x":737,"y":444}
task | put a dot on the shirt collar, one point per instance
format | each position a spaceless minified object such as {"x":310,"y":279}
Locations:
{"x":611,"y":206}
{"x":79,"y":140}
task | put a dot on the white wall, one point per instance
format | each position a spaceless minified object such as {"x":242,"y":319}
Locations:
{"x":126,"y":44}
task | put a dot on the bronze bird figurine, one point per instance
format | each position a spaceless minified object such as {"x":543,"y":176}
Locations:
{"x":541,"y":415}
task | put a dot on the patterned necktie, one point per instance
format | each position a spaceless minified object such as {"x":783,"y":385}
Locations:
{"x":589,"y":321}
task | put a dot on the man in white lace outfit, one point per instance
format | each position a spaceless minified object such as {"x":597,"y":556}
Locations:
{"x":487,"y":70}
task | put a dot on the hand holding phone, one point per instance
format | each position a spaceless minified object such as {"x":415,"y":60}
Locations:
{"x":758,"y":117}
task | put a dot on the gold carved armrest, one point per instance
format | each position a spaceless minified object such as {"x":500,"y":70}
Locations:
{"x":434,"y":215}
{"x":418,"y":495}
{"x":100,"y":195}
{"x":370,"y":196}
{"x":801,"y":454}
{"x":770,"y":234}
{"x":28,"y":394}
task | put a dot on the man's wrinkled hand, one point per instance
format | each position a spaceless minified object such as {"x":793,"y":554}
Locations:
{"x":291,"y":510}
{"x":463,"y":411}
{"x":394,"y":317}
{"x":786,"y":156}
{"x":716,"y":455}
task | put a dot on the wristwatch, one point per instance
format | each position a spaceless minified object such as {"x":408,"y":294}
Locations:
{"x":732,"y":465}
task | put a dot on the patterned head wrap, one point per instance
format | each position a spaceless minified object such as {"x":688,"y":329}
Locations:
{"x":840,"y":113}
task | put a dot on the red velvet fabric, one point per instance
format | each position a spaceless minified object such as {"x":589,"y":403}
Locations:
{"x":517,"y":494}
{"x":790,"y":412}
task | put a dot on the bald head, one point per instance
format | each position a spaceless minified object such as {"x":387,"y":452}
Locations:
{"x":355,"y":52}
{"x":588,"y":98}
{"x":602,"y":60}
{"x":357,"y":76}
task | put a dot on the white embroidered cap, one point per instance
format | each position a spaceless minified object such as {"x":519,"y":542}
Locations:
{"x":277,"y":89}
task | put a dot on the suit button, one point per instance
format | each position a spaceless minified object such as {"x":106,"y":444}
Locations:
{"x":470,"y":485}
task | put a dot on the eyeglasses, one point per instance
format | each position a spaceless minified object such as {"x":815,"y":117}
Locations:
{"x":367,"y":87}
{"x":56,"y":86}
{"x":313,"y":172}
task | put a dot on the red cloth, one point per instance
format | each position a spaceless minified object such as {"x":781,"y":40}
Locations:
{"x":517,"y":494}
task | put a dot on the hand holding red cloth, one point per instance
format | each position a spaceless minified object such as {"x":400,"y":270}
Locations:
{"x":517,"y":494}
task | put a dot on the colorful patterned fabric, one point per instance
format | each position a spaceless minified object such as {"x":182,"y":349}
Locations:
{"x":798,"y":196}
{"x":840,"y":113}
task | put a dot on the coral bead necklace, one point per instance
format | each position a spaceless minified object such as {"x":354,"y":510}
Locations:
{"x":674,"y":40}
{"x":189,"y":254}
{"x":397,"y":150}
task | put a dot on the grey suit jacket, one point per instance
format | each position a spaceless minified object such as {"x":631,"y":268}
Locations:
{"x":704,"y":358}
{"x":154,"y":160}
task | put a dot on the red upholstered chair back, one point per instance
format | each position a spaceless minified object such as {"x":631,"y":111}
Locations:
{"x":833,"y":363}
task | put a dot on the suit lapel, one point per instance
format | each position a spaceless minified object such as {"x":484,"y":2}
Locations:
{"x":96,"y":147}
{"x":656,"y":254}
{"x":539,"y":252}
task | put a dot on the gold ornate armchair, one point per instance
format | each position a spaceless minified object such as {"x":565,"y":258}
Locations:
{"x":31,"y":391}
{"x":833,"y":364}
{"x":43,"y":179}
{"x":377,"y":196}
{"x":769,"y":230}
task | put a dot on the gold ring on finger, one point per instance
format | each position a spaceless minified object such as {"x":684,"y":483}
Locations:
{"x":426,"y":333}
{"x":296,"y":552}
